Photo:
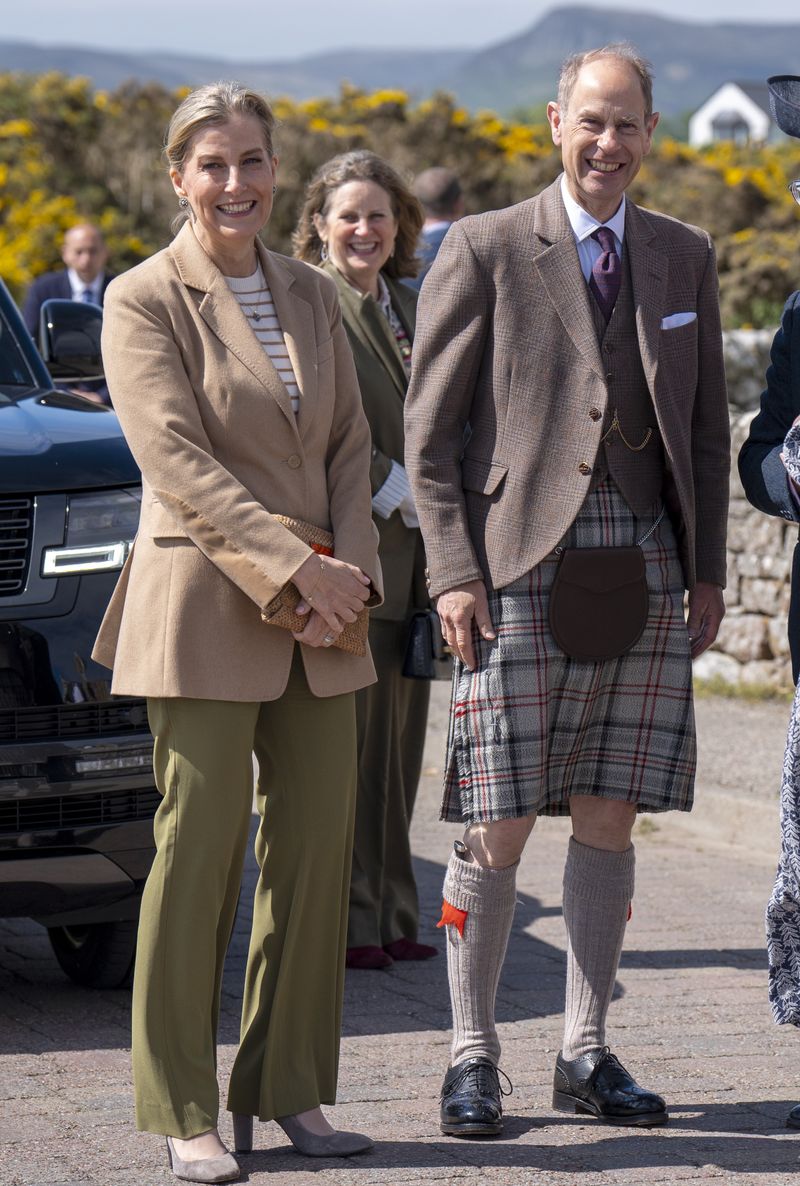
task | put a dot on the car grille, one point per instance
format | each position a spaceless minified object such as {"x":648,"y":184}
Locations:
{"x":16,"y":533}
{"x":77,"y":811}
{"x":92,"y":719}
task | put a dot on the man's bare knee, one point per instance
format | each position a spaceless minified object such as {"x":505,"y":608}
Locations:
{"x":602,"y":823}
{"x":498,"y":844}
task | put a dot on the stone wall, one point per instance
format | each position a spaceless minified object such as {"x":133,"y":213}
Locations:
{"x":752,"y":647}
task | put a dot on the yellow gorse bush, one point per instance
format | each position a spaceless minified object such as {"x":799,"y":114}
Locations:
{"x":69,"y":153}
{"x":16,"y":128}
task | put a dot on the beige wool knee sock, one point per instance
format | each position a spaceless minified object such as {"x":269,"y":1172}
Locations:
{"x":598,"y":890}
{"x":476,"y":948}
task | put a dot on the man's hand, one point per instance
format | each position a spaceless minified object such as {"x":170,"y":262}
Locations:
{"x":706,"y":611}
{"x":456,"y":608}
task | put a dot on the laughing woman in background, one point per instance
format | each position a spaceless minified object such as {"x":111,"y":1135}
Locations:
{"x":360,"y":223}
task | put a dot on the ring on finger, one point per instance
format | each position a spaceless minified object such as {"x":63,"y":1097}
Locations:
{"x":328,"y":639}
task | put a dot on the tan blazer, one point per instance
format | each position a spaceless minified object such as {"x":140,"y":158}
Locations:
{"x":383,"y":382}
{"x":500,"y":439}
{"x":211,"y":426}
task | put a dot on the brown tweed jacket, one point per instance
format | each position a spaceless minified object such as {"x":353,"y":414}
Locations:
{"x":211,"y":426}
{"x":500,"y":442}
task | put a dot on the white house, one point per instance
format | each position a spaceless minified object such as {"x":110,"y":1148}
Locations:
{"x":737,"y":111}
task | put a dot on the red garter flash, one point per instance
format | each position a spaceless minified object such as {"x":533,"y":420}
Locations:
{"x":451,"y":915}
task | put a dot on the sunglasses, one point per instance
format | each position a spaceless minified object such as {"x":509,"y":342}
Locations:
{"x":794,"y":190}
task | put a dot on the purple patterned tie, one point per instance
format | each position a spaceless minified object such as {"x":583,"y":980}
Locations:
{"x":606,"y":272}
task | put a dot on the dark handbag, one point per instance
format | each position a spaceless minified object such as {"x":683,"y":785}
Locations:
{"x":599,"y":600}
{"x":426,"y":655}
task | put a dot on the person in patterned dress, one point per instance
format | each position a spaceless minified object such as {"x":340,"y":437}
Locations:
{"x":769,"y":465}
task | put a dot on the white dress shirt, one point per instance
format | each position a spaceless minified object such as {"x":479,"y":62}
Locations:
{"x":79,"y":286}
{"x":584,"y":225}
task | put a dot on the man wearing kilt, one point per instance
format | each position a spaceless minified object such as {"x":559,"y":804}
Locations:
{"x":567,"y":393}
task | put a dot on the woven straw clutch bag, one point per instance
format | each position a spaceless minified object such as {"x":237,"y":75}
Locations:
{"x":281,"y":611}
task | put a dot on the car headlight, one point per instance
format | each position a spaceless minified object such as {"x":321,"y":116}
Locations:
{"x":100,"y":529}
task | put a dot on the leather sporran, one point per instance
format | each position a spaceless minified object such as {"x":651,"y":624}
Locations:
{"x":426,"y":655}
{"x":599,"y":602}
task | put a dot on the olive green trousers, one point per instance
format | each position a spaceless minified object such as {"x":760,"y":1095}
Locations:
{"x":288,"y":1054}
{"x":391,"y":718}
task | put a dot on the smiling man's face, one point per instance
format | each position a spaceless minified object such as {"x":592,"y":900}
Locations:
{"x":603,"y":135}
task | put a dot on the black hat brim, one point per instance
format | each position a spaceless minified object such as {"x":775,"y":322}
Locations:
{"x":784,"y":102}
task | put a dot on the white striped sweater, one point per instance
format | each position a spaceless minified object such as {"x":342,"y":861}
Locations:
{"x":255,"y":300}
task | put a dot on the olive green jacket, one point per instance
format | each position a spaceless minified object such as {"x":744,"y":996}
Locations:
{"x":383,"y":382}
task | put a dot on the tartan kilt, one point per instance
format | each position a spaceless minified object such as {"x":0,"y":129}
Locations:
{"x":530,"y":726}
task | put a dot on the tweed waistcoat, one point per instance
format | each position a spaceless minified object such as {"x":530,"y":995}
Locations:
{"x":639,"y":475}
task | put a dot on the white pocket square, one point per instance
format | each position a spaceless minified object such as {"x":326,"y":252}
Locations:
{"x":676,"y":319}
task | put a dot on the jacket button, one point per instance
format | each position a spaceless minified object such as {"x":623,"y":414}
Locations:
{"x":595,"y":413}
{"x":294,"y":462}
{"x":584,"y":468}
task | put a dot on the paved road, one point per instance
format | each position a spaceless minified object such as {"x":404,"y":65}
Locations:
{"x":691,"y":1019}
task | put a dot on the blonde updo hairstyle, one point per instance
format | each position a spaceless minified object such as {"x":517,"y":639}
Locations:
{"x":361,"y":165}
{"x":209,"y":107}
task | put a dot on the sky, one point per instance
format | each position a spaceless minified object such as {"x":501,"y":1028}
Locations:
{"x":293,"y":28}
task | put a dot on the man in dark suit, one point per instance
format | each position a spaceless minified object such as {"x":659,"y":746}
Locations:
{"x":567,"y":401}
{"x":83,"y":278}
{"x":439,"y":193}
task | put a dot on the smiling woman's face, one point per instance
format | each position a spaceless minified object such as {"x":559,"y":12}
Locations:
{"x":227,"y":178}
{"x":358,"y":229}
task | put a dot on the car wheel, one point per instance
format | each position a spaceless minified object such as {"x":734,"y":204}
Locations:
{"x":96,"y":955}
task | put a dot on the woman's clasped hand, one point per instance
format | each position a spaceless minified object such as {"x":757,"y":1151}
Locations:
{"x":334,"y":593}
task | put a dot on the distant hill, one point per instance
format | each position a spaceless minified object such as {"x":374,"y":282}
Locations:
{"x":691,"y":60}
{"x":417,"y":71}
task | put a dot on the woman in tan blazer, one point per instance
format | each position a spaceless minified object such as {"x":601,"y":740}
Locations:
{"x":361,"y":223}
{"x":234,"y":382}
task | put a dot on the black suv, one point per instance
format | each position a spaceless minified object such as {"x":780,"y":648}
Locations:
{"x":76,"y":786}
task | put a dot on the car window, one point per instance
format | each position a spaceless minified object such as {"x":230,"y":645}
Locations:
{"x":14,"y":371}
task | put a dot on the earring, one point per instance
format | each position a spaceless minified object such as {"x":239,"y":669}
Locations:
{"x":274,"y":190}
{"x":323,"y":253}
{"x":183,"y":203}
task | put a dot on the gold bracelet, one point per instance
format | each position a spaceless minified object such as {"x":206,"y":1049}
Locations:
{"x":309,"y":598}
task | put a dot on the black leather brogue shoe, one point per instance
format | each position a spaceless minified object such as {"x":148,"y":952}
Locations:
{"x":598,"y":1084}
{"x":793,"y":1119}
{"x":471,"y":1099}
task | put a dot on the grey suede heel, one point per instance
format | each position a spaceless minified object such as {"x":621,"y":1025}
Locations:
{"x":207,"y":1169}
{"x":336,"y":1144}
